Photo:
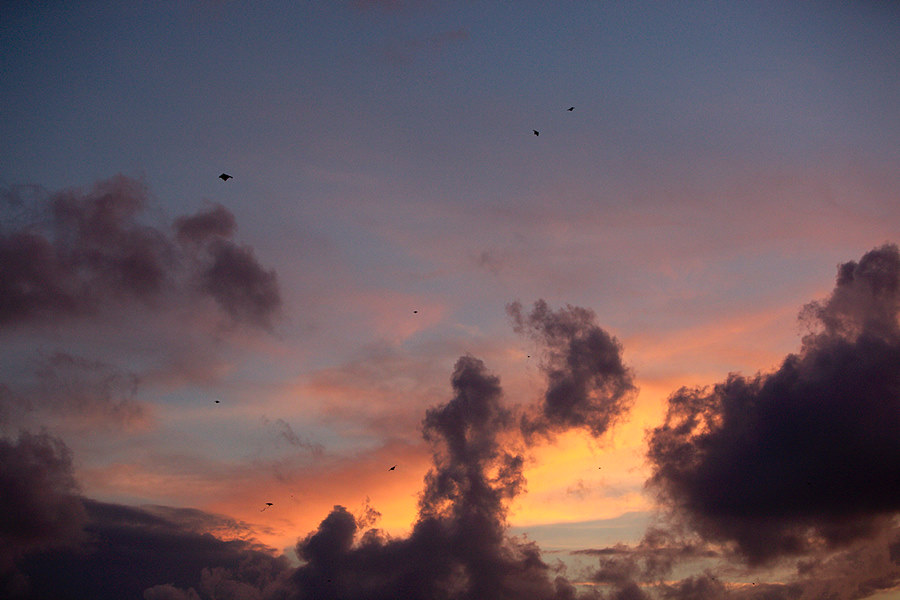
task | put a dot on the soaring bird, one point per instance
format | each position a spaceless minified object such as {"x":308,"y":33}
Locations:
{"x":392,"y":468}
{"x":268,"y":504}
{"x":536,"y":132}
{"x":571,"y":108}
{"x":225,"y":177}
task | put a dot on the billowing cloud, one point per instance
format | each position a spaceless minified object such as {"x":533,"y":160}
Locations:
{"x":458,"y":548}
{"x":589,"y":386}
{"x":80,"y":250}
{"x":806,"y":457}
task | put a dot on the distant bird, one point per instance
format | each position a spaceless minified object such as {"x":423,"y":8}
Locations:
{"x":392,"y":468}
{"x":415,"y":312}
{"x":225,"y":177}
{"x":216,"y":401}
{"x":268,"y":504}
{"x":536,"y":132}
{"x":571,"y":108}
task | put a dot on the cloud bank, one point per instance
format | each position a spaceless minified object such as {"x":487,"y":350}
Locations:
{"x":796,"y":469}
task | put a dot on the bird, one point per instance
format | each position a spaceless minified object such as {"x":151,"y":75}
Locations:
{"x":225,"y":177}
{"x":536,"y":132}
{"x":571,"y":108}
{"x":392,"y":468}
{"x":216,"y":401}
{"x":415,"y":312}
{"x":268,"y":504}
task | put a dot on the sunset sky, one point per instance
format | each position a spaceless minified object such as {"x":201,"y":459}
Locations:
{"x":652,"y":352}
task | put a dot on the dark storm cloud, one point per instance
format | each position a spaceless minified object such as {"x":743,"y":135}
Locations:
{"x":458,"y":548}
{"x":131,"y":550}
{"x":39,"y":503}
{"x":588,"y":384}
{"x":79,"y":250}
{"x":805,"y":457}
{"x":57,"y":544}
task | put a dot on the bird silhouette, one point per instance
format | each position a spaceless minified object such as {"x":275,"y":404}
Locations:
{"x":225,"y":177}
{"x":415,"y":312}
{"x":536,"y":132}
{"x":216,"y":401}
{"x":268,"y":504}
{"x":392,"y":468}
{"x":571,"y":108}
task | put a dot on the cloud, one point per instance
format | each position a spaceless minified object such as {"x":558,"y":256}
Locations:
{"x":85,"y":387}
{"x":807,"y":457}
{"x":240,"y":285}
{"x":79,"y":251}
{"x":135,"y":551}
{"x":458,"y":547}
{"x":63,"y":387}
{"x":54,"y":543}
{"x":217,"y":222}
{"x":650,"y":560}
{"x":283,"y":431}
{"x":588,"y":384}
{"x":39,"y":505}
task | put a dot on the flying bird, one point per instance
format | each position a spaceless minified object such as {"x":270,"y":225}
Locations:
{"x":268,"y":504}
{"x":571,"y":108}
{"x":536,"y":132}
{"x":392,"y":468}
{"x":415,"y":312}
{"x":225,"y":177}
{"x":216,"y":401}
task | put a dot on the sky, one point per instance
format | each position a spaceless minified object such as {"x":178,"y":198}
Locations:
{"x":547,"y":301}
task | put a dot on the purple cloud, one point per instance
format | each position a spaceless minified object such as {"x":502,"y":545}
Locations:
{"x":807,"y":456}
{"x":83,"y":250}
{"x":589,"y":386}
